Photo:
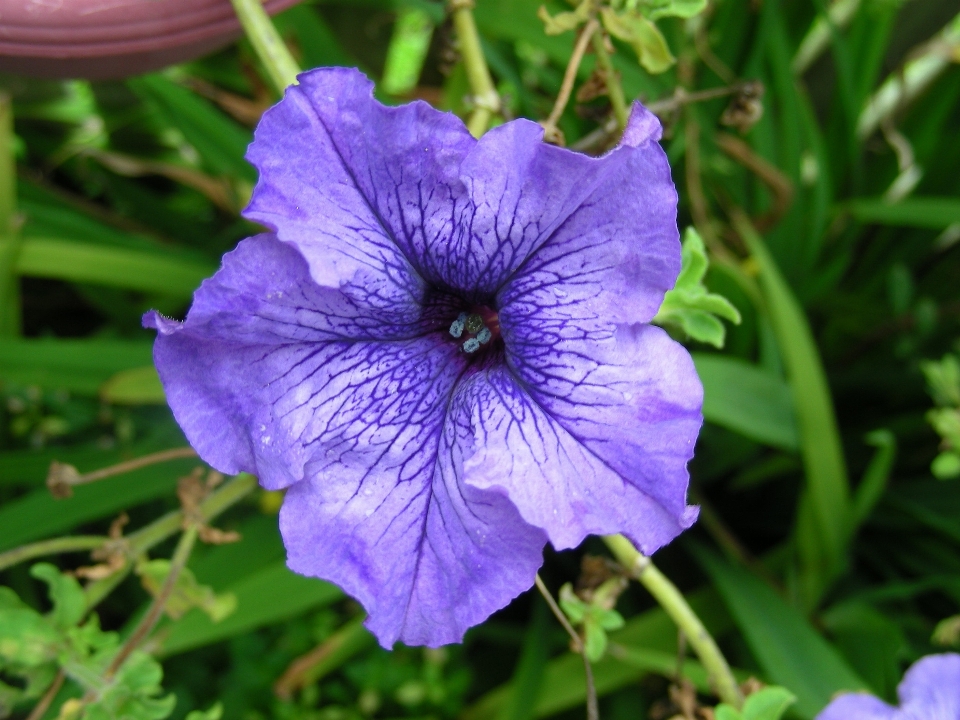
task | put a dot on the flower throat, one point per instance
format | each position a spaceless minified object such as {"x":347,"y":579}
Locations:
{"x":476,"y":329}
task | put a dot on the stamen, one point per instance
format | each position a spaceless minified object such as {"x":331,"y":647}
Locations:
{"x":484,"y":336}
{"x":471,"y":345}
{"x":474,"y":324}
{"x":456,"y":329}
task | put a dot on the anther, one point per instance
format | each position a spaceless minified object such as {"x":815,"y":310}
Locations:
{"x":471,"y":345}
{"x":456,"y":329}
{"x":484,"y":336}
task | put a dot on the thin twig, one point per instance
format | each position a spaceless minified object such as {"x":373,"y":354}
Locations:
{"x":569,"y":77}
{"x":40,"y":709}
{"x":593,"y":711}
{"x":62,"y":477}
{"x":621,"y":113}
{"x":146,"y":625}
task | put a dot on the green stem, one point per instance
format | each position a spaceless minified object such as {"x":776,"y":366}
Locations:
{"x":486,"y":100}
{"x":9,"y":237}
{"x":614,"y":89}
{"x":75,"y":543}
{"x":177,"y":563}
{"x":267,"y":43}
{"x":160,"y":529}
{"x":672,"y":601}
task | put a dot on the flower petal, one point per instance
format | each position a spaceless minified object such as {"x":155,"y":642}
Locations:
{"x":427,"y":556}
{"x":354,"y":183}
{"x":586,"y":446}
{"x":615,"y":246}
{"x":532,"y":201}
{"x":270,"y":371}
{"x":931,"y":688}
{"x":859,"y":706}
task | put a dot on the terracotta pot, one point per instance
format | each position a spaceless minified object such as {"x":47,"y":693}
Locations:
{"x":101,"y":39}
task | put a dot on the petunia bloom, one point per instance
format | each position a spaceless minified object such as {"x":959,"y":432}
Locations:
{"x":442,"y":350}
{"x":930,"y":690}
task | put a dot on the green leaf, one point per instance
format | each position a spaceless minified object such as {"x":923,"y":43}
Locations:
{"x":676,"y":8}
{"x":564,"y":21}
{"x":27,"y":639}
{"x":527,"y":679}
{"x":825,"y":517}
{"x":934,"y":213}
{"x":407,"y":51}
{"x":875,"y":477}
{"x":214,"y":713}
{"x":946,"y":466}
{"x":689,"y":306}
{"x":146,"y":271}
{"x":270,"y":595}
{"x":788,"y":649}
{"x":770,"y":703}
{"x":573,"y":607}
{"x":133,"y":694}
{"x":943,"y":380}
{"x":77,"y":365}
{"x":136,"y":386}
{"x":747,"y":399}
{"x":595,"y":639}
{"x":69,"y":601}
{"x":220,"y":141}
{"x":187,"y":593}
{"x":645,"y":38}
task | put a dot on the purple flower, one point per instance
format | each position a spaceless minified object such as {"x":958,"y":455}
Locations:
{"x":929,"y":691}
{"x":442,"y":350}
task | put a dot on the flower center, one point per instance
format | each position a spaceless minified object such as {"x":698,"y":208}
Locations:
{"x":476,"y":329}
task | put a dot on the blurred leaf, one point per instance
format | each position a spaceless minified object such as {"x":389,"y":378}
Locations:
{"x":871,"y":642}
{"x":923,"y":212}
{"x":675,"y":8}
{"x":214,"y":713}
{"x":689,"y":306}
{"x":69,"y":601}
{"x":564,"y":21}
{"x":747,"y":399}
{"x":769,"y":703}
{"x":77,"y":365}
{"x":267,"y":596}
{"x":187,"y":592}
{"x":877,"y":474}
{"x":133,"y":694}
{"x":788,"y":649}
{"x":100,"y":264}
{"x":407,"y":51}
{"x":136,"y":386}
{"x":824,"y":516}
{"x":220,"y":141}
{"x":643,"y":35}
{"x":527,"y":679}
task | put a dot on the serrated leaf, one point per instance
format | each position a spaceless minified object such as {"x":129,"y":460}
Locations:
{"x":187,"y":592}
{"x":133,"y":695}
{"x":643,"y":36}
{"x":69,"y":601}
{"x":565,"y":21}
